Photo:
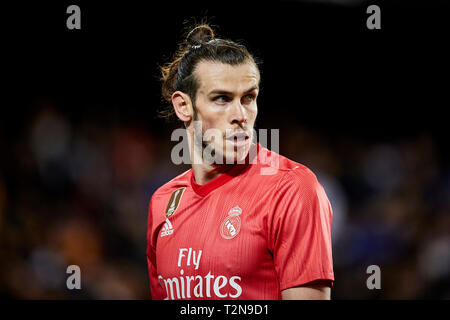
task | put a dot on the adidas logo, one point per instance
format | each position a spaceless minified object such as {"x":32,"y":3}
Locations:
{"x":167,"y":229}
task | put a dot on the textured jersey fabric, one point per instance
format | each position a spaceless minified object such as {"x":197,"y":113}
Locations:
{"x":246,"y":234}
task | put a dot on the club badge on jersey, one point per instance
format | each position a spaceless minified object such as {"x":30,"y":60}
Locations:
{"x":232,"y":224}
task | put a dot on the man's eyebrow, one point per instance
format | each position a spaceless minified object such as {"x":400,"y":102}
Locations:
{"x":225,"y":92}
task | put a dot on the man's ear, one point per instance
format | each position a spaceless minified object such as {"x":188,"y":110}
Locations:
{"x":183,"y":106}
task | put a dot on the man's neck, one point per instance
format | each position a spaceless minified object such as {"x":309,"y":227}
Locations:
{"x":204,"y":173}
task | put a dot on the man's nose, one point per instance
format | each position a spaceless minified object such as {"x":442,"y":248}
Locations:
{"x":239,"y":114}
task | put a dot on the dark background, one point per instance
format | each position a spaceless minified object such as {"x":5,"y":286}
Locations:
{"x":82,"y":148}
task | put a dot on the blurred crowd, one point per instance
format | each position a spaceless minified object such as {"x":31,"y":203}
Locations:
{"x":77,"y":192}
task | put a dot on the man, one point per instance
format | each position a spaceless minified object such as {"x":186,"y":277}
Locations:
{"x":233,"y":231}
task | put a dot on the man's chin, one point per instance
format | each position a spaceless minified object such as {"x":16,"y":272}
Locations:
{"x":236,"y":156}
{"x":230,"y":155}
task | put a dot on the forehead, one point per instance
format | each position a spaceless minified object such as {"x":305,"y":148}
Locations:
{"x":216,"y":75}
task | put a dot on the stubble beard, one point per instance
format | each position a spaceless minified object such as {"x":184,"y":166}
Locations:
{"x":228,"y":155}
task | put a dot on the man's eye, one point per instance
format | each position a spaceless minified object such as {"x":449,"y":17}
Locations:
{"x":249,"y":97}
{"x":221,"y":99}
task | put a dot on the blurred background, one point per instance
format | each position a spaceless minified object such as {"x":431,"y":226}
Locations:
{"x":82,"y":149}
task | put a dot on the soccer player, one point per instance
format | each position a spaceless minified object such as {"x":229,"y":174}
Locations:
{"x":228,"y":229}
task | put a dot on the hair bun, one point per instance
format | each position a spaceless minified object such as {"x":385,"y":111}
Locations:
{"x":200,"y":34}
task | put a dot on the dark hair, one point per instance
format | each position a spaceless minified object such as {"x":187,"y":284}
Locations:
{"x":199,"y":45}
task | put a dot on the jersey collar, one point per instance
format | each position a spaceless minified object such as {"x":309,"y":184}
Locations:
{"x":205,"y":189}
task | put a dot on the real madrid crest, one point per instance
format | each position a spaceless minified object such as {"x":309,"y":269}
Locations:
{"x":232,"y":224}
{"x":174,"y":201}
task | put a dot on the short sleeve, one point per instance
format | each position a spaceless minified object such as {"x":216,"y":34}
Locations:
{"x":300,"y":230}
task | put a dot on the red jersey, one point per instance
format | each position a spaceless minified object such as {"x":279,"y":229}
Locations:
{"x":244,"y":235}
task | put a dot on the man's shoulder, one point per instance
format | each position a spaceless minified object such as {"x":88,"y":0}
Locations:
{"x":180,"y":181}
{"x":281,"y":168}
{"x":297,"y":186}
{"x":299,"y":180}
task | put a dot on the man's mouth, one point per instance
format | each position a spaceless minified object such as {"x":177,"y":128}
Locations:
{"x":238,"y":139}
